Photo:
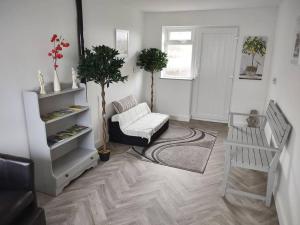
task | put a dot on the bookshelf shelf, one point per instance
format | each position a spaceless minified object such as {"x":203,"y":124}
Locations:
{"x":66,"y":140}
{"x":56,"y":165}
{"x":67,"y":115}
{"x":64,"y":91}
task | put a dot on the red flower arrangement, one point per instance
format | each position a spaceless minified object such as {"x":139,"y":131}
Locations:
{"x":58,"y":45}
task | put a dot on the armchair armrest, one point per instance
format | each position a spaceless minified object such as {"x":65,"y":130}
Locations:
{"x":16,"y":173}
{"x":232,"y":114}
{"x":266,"y":148}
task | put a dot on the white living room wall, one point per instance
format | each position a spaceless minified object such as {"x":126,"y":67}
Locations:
{"x":174,"y":96}
{"x":286,"y":92}
{"x":101,"y":19}
{"x":26,"y":28}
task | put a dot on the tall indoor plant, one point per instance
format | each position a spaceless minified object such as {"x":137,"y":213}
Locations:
{"x":152,"y":60}
{"x":102,"y":66}
{"x":254,"y":46}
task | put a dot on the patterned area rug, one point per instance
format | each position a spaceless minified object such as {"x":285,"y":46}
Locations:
{"x":180,"y":147}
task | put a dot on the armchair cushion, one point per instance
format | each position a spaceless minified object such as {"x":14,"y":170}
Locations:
{"x":13,"y":203}
{"x":16,"y":173}
{"x":32,"y":217}
{"x":124,"y":104}
{"x":132,"y":115}
{"x":18,"y":203}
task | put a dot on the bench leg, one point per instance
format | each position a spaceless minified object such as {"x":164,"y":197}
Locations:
{"x":226,"y":171}
{"x":270,"y":187}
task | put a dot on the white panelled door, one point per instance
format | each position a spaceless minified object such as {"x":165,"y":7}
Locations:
{"x":213,"y":86}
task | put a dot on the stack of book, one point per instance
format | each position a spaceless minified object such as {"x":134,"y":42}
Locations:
{"x":62,"y":112}
{"x":62,"y":135}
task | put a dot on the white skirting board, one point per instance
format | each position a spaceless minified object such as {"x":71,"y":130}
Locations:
{"x":204,"y":118}
{"x":183,"y":118}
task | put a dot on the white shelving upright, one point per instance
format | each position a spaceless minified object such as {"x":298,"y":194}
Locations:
{"x":58,"y":164}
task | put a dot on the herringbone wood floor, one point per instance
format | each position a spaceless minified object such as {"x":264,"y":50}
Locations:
{"x":128,"y":191}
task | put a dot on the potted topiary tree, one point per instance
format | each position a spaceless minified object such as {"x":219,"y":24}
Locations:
{"x":254,"y":46}
{"x":102,"y":66}
{"x":152,"y":60}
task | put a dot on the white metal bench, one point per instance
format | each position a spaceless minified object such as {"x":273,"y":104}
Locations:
{"x":248,"y":148}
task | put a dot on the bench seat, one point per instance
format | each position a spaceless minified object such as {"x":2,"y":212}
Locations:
{"x":249,"y":148}
{"x":247,"y":157}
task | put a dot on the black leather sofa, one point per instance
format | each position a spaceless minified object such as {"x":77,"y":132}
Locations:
{"x":18,"y":202}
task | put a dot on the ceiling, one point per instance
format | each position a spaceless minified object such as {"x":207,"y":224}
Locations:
{"x":187,"y":5}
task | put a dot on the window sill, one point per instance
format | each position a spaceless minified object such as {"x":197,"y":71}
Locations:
{"x":177,"y":78}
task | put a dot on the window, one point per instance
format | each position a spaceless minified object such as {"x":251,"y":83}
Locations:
{"x":178,"y":44}
{"x":180,"y":36}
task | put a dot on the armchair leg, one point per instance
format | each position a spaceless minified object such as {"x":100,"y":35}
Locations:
{"x":270,"y":187}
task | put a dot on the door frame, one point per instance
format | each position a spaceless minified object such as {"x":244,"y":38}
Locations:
{"x":193,"y":83}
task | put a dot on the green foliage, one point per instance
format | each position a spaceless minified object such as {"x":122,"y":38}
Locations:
{"x":101,"y":65}
{"x":152,"y":60}
{"x":254,"y":45}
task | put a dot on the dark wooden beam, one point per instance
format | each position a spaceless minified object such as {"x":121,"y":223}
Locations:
{"x":80,"y":36}
{"x":80,"y":27}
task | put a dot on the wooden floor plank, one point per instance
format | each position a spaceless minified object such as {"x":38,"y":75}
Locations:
{"x":128,"y":191}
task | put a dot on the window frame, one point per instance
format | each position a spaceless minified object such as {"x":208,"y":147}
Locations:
{"x":166,"y":30}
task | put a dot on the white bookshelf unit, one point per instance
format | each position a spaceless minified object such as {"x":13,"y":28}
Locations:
{"x":57,"y":164}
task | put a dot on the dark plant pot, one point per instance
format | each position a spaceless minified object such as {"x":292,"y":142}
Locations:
{"x":104,"y":156}
{"x":251,"y":70}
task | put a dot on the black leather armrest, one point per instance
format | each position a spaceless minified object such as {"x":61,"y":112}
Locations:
{"x":16,"y":173}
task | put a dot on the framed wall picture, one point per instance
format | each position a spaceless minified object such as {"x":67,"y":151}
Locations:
{"x":122,"y":42}
{"x":254,"y":50}
{"x":296,"y":49}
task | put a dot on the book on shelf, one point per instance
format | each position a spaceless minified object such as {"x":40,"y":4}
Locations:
{"x":77,"y":107}
{"x":62,"y":112}
{"x":62,"y":135}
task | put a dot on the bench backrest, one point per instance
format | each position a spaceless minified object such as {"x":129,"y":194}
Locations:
{"x":278,"y":123}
